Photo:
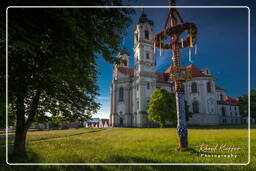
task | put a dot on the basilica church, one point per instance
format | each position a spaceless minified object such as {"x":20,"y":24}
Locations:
{"x":131,"y":88}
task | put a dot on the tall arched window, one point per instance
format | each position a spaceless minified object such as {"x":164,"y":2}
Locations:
{"x":125,"y":62}
{"x":209,"y":87}
{"x":147,"y":55}
{"x":121,"y":121}
{"x":121,"y":94}
{"x":138,"y":104}
{"x":148,"y":85}
{"x":223,"y":111}
{"x":146,"y":34}
{"x":194,"y":87}
{"x":195,"y":106}
{"x":221,"y":97}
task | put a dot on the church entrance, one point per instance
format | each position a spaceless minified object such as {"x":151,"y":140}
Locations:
{"x":121,"y":122}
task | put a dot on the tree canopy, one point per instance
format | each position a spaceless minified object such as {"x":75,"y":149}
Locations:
{"x":243,"y":104}
{"x":162,"y":107}
{"x":51,"y":59}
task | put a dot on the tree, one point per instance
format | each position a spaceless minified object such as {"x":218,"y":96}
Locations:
{"x":51,"y":60}
{"x":162,"y":107}
{"x":243,"y":104}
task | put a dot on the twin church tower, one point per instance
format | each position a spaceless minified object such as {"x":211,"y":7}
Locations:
{"x":131,"y":88}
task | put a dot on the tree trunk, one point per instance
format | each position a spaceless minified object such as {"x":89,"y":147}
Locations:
{"x":21,"y":125}
{"x":21,"y":131}
{"x":20,"y":141}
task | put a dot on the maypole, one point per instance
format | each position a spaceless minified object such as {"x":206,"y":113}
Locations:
{"x":173,"y":28}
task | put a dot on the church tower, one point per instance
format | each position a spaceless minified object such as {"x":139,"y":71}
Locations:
{"x":144,"y":72}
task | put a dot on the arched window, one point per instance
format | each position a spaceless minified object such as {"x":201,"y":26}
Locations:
{"x":195,"y":106}
{"x":224,"y":120}
{"x":194,"y":87}
{"x":223,"y":111}
{"x":125,"y":63}
{"x":146,"y":34}
{"x":121,"y":121}
{"x":137,"y":36}
{"x":138,"y":104}
{"x":221,"y":97}
{"x":147,"y":55}
{"x":209,"y":87}
{"x":121,"y":94}
{"x":147,"y":103}
{"x":148,"y":86}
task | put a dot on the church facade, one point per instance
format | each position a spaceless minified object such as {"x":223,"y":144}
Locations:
{"x":131,"y":88}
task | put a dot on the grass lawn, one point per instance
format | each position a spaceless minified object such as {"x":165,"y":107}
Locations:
{"x":132,"y":145}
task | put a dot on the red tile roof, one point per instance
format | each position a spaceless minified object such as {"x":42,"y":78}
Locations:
{"x":162,"y":77}
{"x":126,"y":71}
{"x":218,"y":88}
{"x":195,"y":71}
{"x":228,"y":101}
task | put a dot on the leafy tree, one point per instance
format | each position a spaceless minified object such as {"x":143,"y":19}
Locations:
{"x":162,"y":107}
{"x":243,"y":104}
{"x":51,"y":60}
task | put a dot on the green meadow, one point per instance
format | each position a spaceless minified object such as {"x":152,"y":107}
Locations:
{"x":134,"y":145}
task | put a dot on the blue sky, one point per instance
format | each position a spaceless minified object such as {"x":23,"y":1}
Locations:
{"x":222,"y":44}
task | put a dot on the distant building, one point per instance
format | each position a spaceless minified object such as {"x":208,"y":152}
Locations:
{"x":97,"y":123}
{"x":104,"y":123}
{"x":131,"y":88}
{"x":75,"y":124}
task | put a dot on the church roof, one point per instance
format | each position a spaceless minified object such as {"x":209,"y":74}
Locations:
{"x":126,"y":71}
{"x":195,"y":71}
{"x":162,"y":77}
{"x":218,"y":88}
{"x":143,"y":19}
{"x":229,"y":101}
{"x":124,"y":51}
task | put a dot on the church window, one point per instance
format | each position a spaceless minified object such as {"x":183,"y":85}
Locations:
{"x":221,"y":97}
{"x":121,"y":94}
{"x":121,"y":121}
{"x":195,"y":106}
{"x":148,"y":86}
{"x":224,"y":120}
{"x":137,"y":87}
{"x":146,"y":34}
{"x":147,"y":55}
{"x":223,"y":111}
{"x":138,"y":104}
{"x":125,"y":63}
{"x":147,"y":103}
{"x":209,"y":87}
{"x":193,"y":87}
{"x":137,"y":36}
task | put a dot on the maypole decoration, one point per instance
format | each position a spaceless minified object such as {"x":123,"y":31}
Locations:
{"x":173,"y":28}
